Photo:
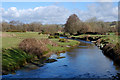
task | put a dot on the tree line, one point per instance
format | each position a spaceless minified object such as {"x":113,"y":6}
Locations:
{"x":73,"y":25}
{"x":16,"y":26}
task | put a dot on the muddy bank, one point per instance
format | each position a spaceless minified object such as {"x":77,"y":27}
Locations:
{"x":110,"y":50}
{"x":86,"y":38}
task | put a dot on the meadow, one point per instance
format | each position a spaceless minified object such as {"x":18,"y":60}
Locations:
{"x":12,"y":39}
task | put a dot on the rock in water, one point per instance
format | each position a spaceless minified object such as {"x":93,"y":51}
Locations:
{"x":50,"y":60}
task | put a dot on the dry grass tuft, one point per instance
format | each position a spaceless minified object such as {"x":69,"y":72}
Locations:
{"x":34,"y":46}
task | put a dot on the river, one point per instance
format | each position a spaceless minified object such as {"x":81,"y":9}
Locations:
{"x":84,"y":61}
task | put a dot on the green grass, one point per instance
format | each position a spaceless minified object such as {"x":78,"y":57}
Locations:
{"x":8,"y":41}
{"x":112,"y":38}
{"x":62,"y":45}
{"x":56,"y":49}
{"x":14,"y":58}
{"x":70,"y":42}
{"x":112,"y":33}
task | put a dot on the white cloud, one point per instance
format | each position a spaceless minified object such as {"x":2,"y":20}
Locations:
{"x":55,"y":14}
{"x":102,"y":11}
{"x":48,"y":14}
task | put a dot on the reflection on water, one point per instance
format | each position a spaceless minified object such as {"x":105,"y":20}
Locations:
{"x":85,"y":61}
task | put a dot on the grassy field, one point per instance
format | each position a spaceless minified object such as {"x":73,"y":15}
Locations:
{"x":12,"y":39}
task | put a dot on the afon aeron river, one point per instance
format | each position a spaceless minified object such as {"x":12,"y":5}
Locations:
{"x":84,"y":61}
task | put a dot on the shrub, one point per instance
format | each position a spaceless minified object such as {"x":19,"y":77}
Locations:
{"x":33,"y":46}
{"x":56,"y":36}
{"x":45,"y":33}
{"x":15,"y":31}
{"x":107,"y":39}
{"x":116,"y":33}
{"x":39,"y":33}
{"x":50,"y":37}
{"x":62,"y":40}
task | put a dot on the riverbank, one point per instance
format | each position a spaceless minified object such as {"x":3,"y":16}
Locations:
{"x":109,"y":44}
{"x":109,"y":49}
{"x":15,"y":58}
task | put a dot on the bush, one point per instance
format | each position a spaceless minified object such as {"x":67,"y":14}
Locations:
{"x":50,"y":37}
{"x":39,"y":33}
{"x":62,"y":40}
{"x":15,"y":31}
{"x":33,"y":46}
{"x":107,"y":39}
{"x":57,"y":36}
{"x":45,"y":33}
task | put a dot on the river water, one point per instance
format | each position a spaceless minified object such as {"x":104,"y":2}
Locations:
{"x":84,"y":61}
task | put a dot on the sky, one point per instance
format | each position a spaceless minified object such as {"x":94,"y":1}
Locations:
{"x":59,"y":0}
{"x":58,"y":12}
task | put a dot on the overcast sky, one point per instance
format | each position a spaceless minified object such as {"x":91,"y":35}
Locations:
{"x":58,"y":12}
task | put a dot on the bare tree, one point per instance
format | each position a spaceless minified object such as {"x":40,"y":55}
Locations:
{"x":98,"y":26}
